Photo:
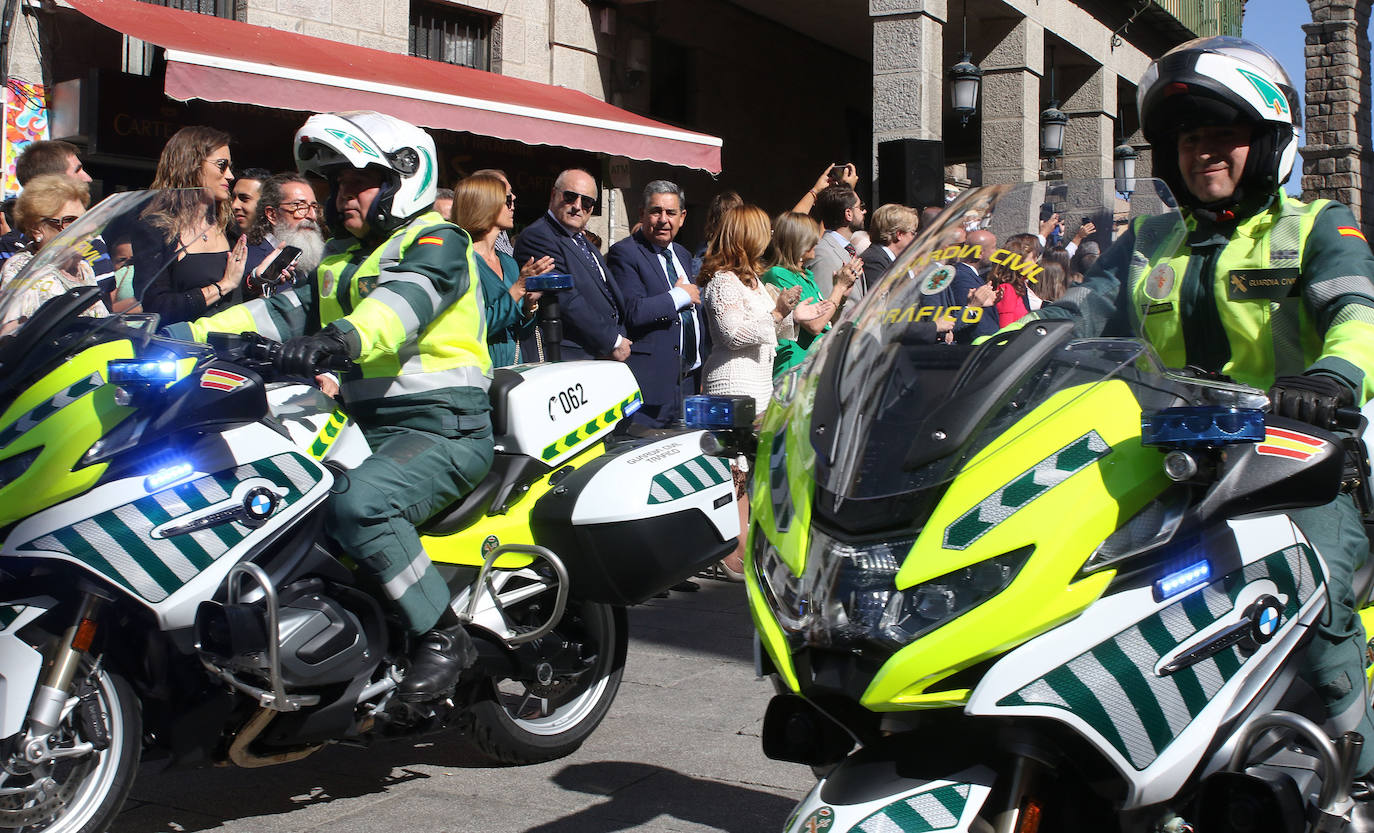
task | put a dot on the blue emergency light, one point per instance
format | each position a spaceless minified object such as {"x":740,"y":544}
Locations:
{"x":1201,"y":427}
{"x":718,"y":413}
{"x":140,"y":372}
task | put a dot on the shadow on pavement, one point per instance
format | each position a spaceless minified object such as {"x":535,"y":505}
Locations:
{"x":654,"y":793}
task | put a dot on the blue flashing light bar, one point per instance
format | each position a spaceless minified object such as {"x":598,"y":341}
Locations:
{"x":1182,"y":580}
{"x":142,"y":372}
{"x":1198,"y":427}
{"x":166,"y":476}
{"x":548,"y":282}
{"x":718,"y":413}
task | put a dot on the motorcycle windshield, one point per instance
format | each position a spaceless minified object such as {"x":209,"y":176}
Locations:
{"x":95,"y":269}
{"x":896,"y":407}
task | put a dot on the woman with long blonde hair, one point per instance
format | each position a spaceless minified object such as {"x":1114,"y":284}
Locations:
{"x":795,"y":236}
{"x":745,"y":320}
{"x":184,"y":268}
{"x":484,"y":206}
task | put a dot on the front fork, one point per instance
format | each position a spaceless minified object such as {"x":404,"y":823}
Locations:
{"x":53,"y":698}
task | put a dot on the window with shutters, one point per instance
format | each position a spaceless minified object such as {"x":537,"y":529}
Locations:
{"x":215,"y":8}
{"x":443,"y":32}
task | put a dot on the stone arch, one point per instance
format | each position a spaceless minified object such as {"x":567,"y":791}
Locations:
{"x":1337,"y":159}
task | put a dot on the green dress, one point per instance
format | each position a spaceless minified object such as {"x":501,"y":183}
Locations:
{"x":506,"y":323}
{"x":791,"y":352}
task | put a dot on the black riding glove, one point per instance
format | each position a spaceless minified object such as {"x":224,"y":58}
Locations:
{"x":305,"y":357}
{"x":1311,"y":398}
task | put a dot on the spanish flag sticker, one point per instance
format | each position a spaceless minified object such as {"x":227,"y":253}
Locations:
{"x":1351,"y":231}
{"x":431,"y":241}
{"x":1280,"y":442}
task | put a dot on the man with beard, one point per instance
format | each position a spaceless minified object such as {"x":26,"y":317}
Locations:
{"x":841,"y":213}
{"x":287,"y":215}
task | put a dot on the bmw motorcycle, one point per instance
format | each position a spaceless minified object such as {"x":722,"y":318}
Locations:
{"x":1043,"y":583}
{"x":167,"y":586}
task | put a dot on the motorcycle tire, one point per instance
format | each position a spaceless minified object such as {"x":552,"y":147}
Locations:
{"x":91,"y":789}
{"x":500,"y":728}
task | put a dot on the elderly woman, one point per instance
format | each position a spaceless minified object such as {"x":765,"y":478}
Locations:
{"x":795,"y":236}
{"x":484,"y":206}
{"x":183,"y":266}
{"x":48,"y":204}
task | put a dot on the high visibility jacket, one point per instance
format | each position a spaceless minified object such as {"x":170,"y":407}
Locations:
{"x":1291,"y":288}
{"x":411,"y":309}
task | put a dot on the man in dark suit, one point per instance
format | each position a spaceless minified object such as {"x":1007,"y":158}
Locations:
{"x":592,"y":328}
{"x":661,"y":304}
{"x":969,"y":285}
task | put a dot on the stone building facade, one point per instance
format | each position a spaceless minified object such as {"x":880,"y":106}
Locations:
{"x":1338,"y":157}
{"x":790,"y":86}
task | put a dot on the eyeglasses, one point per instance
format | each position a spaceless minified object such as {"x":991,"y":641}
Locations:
{"x":59,"y":223}
{"x":299,"y":207}
{"x":588,"y":203}
{"x":510,"y":201}
{"x":222,"y":164}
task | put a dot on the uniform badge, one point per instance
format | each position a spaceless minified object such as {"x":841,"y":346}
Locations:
{"x":937,"y":279}
{"x":327,"y":284}
{"x":491,"y":543}
{"x":1160,"y":282}
{"x":818,"y":821}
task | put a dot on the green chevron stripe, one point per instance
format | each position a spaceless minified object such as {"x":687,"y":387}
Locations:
{"x":1085,"y":704}
{"x":185,"y":544}
{"x":132,"y":543}
{"x":953,"y":799}
{"x":47,"y":408}
{"x":1078,"y":697}
{"x":589,"y":430}
{"x":1137,"y":689}
{"x":76,"y":545}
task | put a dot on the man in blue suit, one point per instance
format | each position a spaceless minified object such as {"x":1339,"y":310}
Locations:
{"x":592,"y":328}
{"x":661,"y":303}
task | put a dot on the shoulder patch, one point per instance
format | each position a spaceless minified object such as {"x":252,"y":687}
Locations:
{"x":1351,"y":231}
{"x":430,"y":241}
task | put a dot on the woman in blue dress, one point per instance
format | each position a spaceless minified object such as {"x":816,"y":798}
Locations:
{"x":484,"y":206}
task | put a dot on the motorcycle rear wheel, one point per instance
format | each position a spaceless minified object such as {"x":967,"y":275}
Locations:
{"x":91,"y":789}
{"x":521,"y":722}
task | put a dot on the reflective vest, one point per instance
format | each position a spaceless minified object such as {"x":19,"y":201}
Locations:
{"x":449,"y":352}
{"x":1271,"y":334}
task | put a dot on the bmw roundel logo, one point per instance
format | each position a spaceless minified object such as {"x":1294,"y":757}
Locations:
{"x":259,"y":503}
{"x":1266,"y":614}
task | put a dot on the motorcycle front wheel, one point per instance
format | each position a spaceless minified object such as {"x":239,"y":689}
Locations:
{"x":528,"y":721}
{"x":82,"y":793}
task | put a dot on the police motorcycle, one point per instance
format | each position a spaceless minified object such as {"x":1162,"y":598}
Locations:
{"x":167,"y":588}
{"x":1042,"y":583}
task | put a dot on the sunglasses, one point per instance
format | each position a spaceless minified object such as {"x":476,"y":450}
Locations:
{"x":299,"y":207}
{"x":222,"y":164}
{"x":572,"y":197}
{"x":59,"y":223}
{"x":510,"y":201}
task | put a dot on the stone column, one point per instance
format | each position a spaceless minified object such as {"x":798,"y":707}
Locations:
{"x":1337,"y":162}
{"x":908,"y":70}
{"x":1011,"y":100}
{"x":1089,"y":139}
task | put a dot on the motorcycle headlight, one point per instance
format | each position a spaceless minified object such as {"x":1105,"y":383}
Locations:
{"x":847,"y":598}
{"x":780,"y":586}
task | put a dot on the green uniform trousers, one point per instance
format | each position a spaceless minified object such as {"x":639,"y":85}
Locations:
{"x":1336,"y":654}
{"x":411,"y":475}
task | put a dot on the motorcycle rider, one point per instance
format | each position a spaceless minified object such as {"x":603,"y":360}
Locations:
{"x":396,"y":293}
{"x":1268,"y":290}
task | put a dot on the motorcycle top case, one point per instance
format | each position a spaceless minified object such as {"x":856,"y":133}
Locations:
{"x":623,"y":521}
{"x":552,"y":412}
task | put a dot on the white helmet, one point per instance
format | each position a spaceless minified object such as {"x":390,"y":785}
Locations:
{"x":1220,"y":81}
{"x":359,"y":139}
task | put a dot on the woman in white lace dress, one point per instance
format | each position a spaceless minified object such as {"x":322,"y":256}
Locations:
{"x":745,"y":316}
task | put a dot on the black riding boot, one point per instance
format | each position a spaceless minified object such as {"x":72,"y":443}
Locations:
{"x":437,"y":660}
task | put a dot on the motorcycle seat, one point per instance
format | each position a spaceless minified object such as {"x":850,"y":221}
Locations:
{"x":509,"y":472}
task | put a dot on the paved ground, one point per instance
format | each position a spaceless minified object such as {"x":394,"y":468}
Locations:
{"x":678,"y":753}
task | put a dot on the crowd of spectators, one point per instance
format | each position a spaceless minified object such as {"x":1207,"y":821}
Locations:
{"x":742,"y":309}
